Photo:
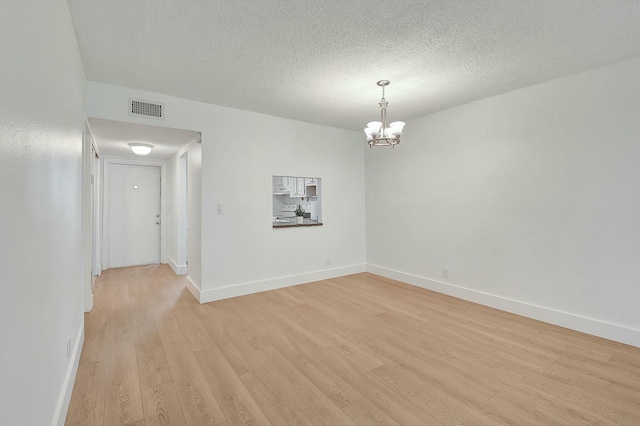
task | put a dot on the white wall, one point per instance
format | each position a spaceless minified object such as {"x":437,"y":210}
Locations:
{"x":241,"y":151}
{"x":42,"y":88}
{"x":194,"y":214}
{"x":175,"y":220}
{"x":171,"y":220}
{"x":530,"y":199}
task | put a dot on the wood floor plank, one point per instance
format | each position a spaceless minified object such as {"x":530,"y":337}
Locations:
{"x":236,"y":402}
{"x":543,"y":404}
{"x":178,"y":296}
{"x":121,"y":326}
{"x":598,"y":407}
{"x":87,"y":401}
{"x":621,"y":402}
{"x":123,"y":404}
{"x":329,"y":382}
{"x":193,"y":331}
{"x":617,"y":377}
{"x":145,"y":290}
{"x":364,"y":412}
{"x":152,"y":306}
{"x":316,"y":405}
{"x":520,"y":412}
{"x":222,"y":328}
{"x":627,"y":362}
{"x":112,"y":296}
{"x":276,"y":404}
{"x":398,"y":304}
{"x":153,"y":368}
{"x":553,"y":346}
{"x":428,"y":365}
{"x":387,"y":399}
{"x":298,"y":350}
{"x":545,"y":376}
{"x":289,"y":333}
{"x":274,"y":401}
{"x":283,"y":415}
{"x":168,"y":328}
{"x":162,"y":406}
{"x":341,"y":337}
{"x":95,"y":337}
{"x":337,"y":292}
{"x":289,"y":296}
{"x":243,"y":324}
{"x":339,"y":308}
{"x":446,"y":404}
{"x":199,"y":405}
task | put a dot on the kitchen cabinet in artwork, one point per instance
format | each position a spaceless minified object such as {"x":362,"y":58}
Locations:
{"x":281,"y":184}
{"x":297,"y":187}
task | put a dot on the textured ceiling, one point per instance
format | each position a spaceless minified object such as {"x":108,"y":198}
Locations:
{"x":318,"y":61}
{"x":112,"y":138}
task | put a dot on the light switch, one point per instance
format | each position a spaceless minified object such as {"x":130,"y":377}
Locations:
{"x":220,"y":208}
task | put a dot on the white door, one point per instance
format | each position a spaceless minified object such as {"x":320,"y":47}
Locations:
{"x":134,"y":215}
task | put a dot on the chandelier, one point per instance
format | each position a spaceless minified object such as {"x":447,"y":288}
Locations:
{"x":378,"y":134}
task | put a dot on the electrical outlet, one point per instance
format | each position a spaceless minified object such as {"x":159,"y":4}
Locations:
{"x":69,"y":348}
{"x":220,"y":208}
{"x":327,"y":261}
{"x":445,"y":273}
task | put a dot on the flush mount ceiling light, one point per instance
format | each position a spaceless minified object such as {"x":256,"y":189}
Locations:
{"x":378,"y":134}
{"x":141,"y":148}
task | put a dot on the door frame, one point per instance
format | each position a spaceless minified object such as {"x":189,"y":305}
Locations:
{"x":107,"y":162}
{"x":90,"y":193}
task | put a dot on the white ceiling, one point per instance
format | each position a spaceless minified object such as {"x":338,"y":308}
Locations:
{"x":112,"y":138}
{"x":318,"y":61}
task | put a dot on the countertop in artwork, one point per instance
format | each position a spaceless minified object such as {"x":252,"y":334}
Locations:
{"x":293,"y":224}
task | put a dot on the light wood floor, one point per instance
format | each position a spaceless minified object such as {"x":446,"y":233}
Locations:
{"x":353,"y":350}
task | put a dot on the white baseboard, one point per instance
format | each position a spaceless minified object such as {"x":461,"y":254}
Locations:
{"x":178,"y":269}
{"x":194,"y":289}
{"x":69,"y":379}
{"x":275,"y":283}
{"x":591,"y":326}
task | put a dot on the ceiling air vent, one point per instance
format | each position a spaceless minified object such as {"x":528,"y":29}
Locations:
{"x":146,"y":109}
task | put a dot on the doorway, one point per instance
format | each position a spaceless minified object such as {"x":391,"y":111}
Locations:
{"x":134,"y":215}
{"x":177,"y":152}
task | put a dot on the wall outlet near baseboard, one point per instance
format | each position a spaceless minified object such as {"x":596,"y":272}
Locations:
{"x":69,"y":348}
{"x":327,"y":261}
{"x":445,"y":273}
